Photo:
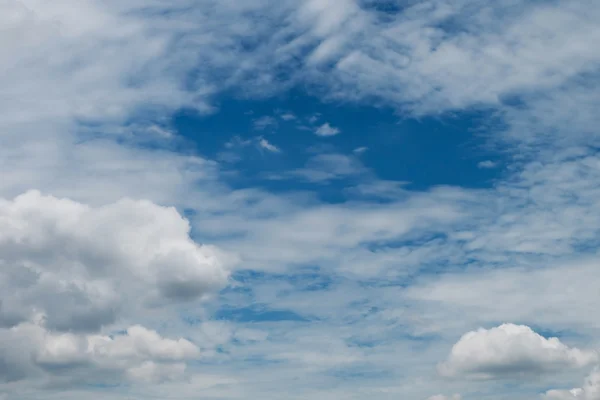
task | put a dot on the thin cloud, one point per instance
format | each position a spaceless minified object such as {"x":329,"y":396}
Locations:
{"x":264,"y":122}
{"x":288,"y":117}
{"x":265,"y":144}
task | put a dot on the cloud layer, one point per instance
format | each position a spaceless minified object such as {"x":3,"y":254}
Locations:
{"x":101,"y":289}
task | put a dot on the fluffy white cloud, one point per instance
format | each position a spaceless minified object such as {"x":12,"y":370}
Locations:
{"x":81,"y":266}
{"x":511,"y":351}
{"x":30,"y":350}
{"x":589,"y":391}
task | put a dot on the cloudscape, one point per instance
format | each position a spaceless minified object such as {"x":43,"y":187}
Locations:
{"x":299,"y":199}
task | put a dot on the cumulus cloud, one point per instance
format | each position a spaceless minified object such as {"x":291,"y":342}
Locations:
{"x":511,"y":351}
{"x":81,"y":265}
{"x":589,"y":391}
{"x":327,"y":130}
{"x":31,"y":350}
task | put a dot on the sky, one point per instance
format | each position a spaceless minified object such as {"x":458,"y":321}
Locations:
{"x":299,"y":199}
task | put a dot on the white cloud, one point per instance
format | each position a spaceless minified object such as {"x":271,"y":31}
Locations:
{"x":413,"y":59}
{"x":360,"y":150}
{"x":589,"y":391}
{"x":264,"y":122}
{"x":327,"y":130}
{"x":81,"y":266}
{"x":314,"y":118}
{"x":265,"y":144}
{"x":121,"y":58}
{"x":288,"y":117}
{"x":511,"y":351}
{"x":140,"y":354}
{"x":326,"y":167}
{"x":423,"y":62}
{"x":488,"y":164}
{"x":161,"y":132}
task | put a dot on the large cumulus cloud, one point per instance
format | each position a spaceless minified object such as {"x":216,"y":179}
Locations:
{"x":81,"y":266}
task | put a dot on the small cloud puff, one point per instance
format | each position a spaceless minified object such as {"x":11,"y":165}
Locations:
{"x":327,"y":130}
{"x":288,"y":117}
{"x":487,"y":164}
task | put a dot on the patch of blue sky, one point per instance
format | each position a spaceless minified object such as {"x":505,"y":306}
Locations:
{"x":309,"y":278}
{"x":258,"y":313}
{"x":368,"y":143}
{"x":389,"y":7}
{"x":360,"y":372}
{"x":254,"y":311}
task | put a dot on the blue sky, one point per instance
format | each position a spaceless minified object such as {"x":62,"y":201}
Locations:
{"x":386,"y":144}
{"x":298,"y":199}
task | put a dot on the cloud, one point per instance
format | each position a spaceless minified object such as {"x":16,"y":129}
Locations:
{"x":510,"y":351}
{"x":138,"y":354}
{"x":235,"y":148}
{"x":82,"y":266}
{"x":326,"y":130}
{"x":488,"y":164}
{"x":427,"y":64}
{"x":327,"y":167}
{"x":413,"y":59}
{"x":508,"y":253}
{"x":265,"y":144}
{"x":264,"y":122}
{"x":288,"y":116}
{"x":589,"y":391}
{"x":360,"y":150}
{"x":442,"y":397}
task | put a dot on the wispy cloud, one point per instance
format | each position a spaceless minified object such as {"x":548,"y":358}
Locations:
{"x":288,"y":117}
{"x":265,"y":144}
{"x":264,"y":122}
{"x":487,"y":164}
